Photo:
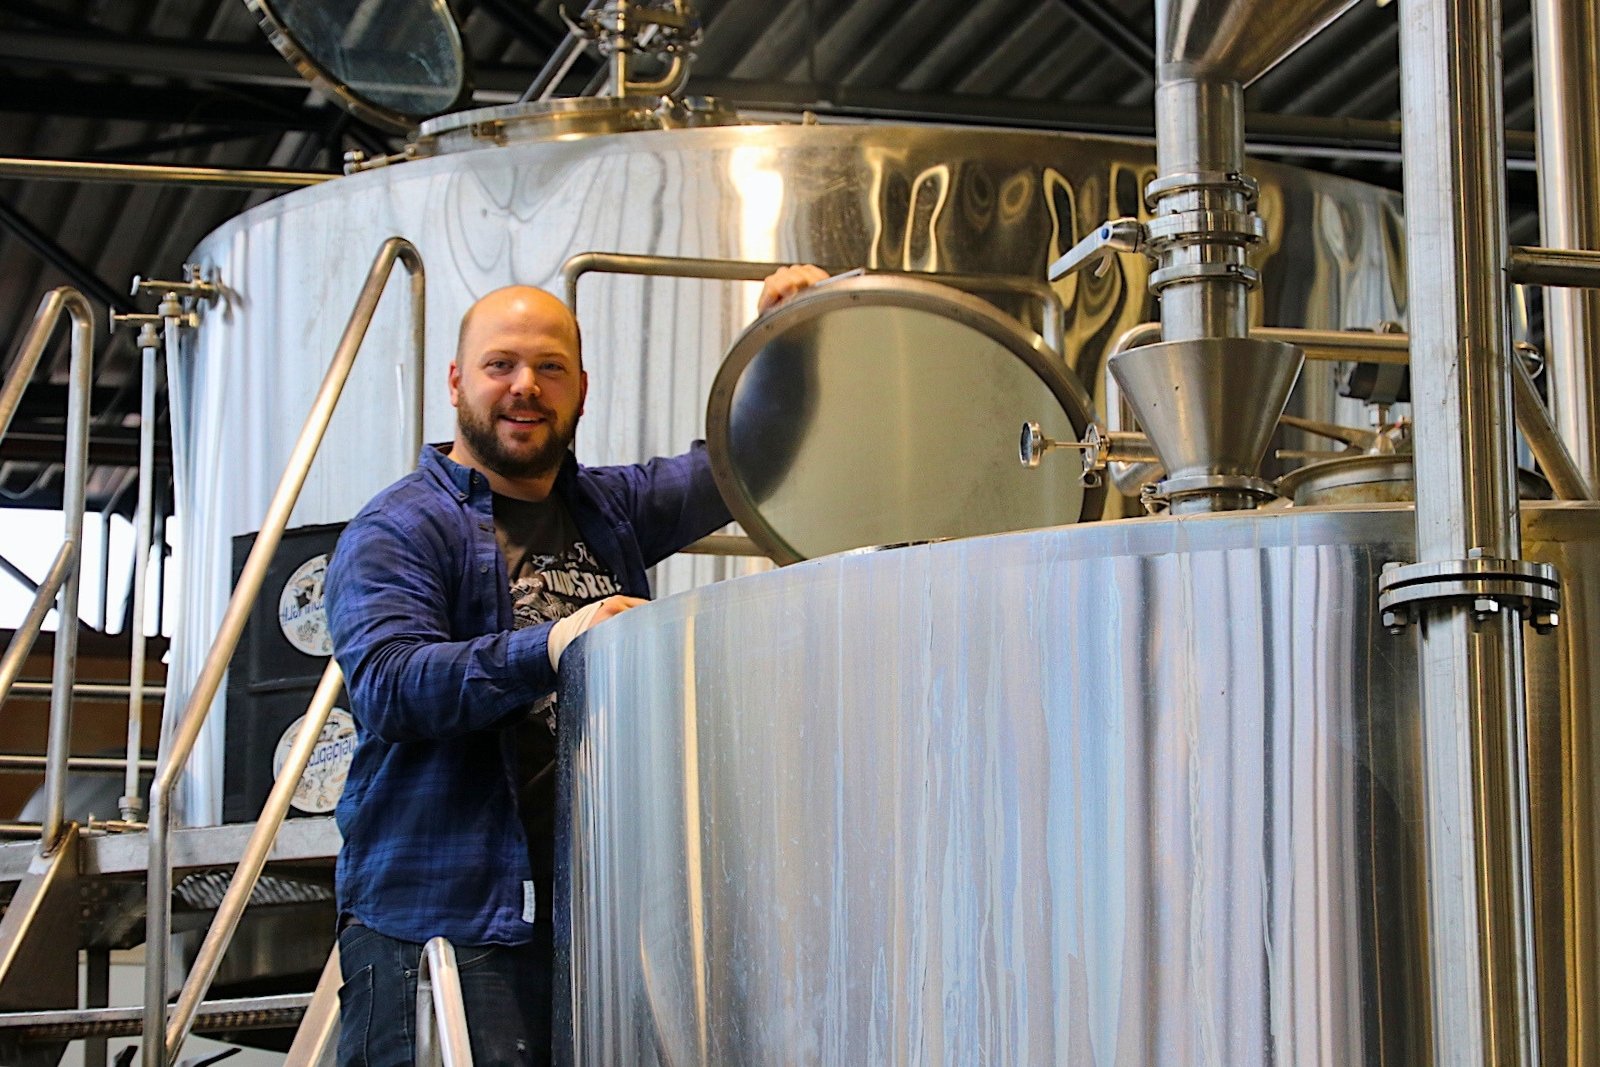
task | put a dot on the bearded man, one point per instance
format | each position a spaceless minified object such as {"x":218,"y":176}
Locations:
{"x":450,"y":599}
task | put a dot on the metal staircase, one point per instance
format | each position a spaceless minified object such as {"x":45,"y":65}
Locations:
{"x":117,"y":884}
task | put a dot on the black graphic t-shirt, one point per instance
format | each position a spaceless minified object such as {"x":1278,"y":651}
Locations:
{"x":552,"y":573}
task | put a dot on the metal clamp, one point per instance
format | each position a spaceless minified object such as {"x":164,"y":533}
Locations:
{"x":1490,"y":585}
{"x":1167,"y":277}
{"x":1231,"y":227}
{"x":1160,"y":495}
{"x":1096,"y":250}
{"x":1203,"y":181}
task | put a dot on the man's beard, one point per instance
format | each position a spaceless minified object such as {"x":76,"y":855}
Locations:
{"x":479,"y":433}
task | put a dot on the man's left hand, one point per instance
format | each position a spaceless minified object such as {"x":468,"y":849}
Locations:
{"x":785,"y":282}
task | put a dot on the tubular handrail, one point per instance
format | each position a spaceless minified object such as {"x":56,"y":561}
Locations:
{"x":244,"y":878}
{"x":441,"y":1015}
{"x":61,"y":300}
{"x":22,"y":641}
{"x":744,"y":270}
{"x":158,"y":914}
{"x":1339,"y":346}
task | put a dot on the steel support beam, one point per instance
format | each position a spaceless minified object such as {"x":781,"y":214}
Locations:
{"x":108,"y":447}
{"x":1112,"y":29}
{"x":1473,"y":712}
{"x":77,"y":272}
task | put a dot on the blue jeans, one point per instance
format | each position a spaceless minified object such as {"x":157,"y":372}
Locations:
{"x":505,"y":989}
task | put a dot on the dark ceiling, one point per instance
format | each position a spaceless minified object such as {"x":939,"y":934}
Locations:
{"x":194,"y":81}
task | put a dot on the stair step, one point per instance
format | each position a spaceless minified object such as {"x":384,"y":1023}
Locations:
{"x":216,"y":1016}
{"x":299,"y":841}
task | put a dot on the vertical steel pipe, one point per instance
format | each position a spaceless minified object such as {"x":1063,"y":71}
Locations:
{"x":158,"y":900}
{"x":1473,"y":708}
{"x":1566,"y":75}
{"x":131,"y":804}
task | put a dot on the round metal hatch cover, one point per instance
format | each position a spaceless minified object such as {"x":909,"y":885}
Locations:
{"x":880,"y":409}
{"x":390,"y":62}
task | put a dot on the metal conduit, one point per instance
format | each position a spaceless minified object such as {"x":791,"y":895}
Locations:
{"x":158,"y":922}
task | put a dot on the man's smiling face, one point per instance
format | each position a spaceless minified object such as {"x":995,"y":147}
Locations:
{"x":517,"y":384}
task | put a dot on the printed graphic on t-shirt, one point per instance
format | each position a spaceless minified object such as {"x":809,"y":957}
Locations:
{"x":546,"y":587}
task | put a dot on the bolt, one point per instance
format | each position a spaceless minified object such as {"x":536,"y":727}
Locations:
{"x":1395,"y":622}
{"x":1545,"y":621}
{"x":1477,"y":553}
{"x":1483,"y":608}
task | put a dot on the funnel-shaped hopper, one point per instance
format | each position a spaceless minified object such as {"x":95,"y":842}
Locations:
{"x":1209,"y":406}
{"x":1237,"y":40}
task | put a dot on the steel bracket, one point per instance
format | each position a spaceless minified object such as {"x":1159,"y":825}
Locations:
{"x":1487,"y":584}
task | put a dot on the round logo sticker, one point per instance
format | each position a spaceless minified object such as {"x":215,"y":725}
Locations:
{"x":300,"y":613}
{"x":323,"y":781}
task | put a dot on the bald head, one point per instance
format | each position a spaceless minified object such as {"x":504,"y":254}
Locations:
{"x":517,"y":307}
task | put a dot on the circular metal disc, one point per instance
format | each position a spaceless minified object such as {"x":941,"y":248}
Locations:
{"x":880,"y":409}
{"x":390,"y":62}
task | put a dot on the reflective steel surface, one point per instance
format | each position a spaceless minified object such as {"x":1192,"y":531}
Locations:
{"x":1025,"y":799}
{"x":866,"y":411}
{"x":917,"y":198}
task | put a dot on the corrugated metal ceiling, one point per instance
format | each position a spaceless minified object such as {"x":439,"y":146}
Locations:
{"x":193,"y":81}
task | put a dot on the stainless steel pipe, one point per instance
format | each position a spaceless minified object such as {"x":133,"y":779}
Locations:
{"x":130,"y":804}
{"x":158,"y":920}
{"x":79,"y":170}
{"x":1053,"y":311}
{"x":1566,"y":77}
{"x":1557,"y":267}
{"x":1473,"y":706}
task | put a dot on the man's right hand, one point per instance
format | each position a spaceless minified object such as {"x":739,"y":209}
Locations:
{"x":566,"y":630}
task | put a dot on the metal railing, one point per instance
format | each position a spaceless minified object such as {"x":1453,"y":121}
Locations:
{"x":1053,"y":312}
{"x":441,"y":1016}
{"x":61,"y":584}
{"x":161,"y":1041}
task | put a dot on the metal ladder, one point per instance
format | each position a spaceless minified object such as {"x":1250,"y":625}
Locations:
{"x":45,"y":909}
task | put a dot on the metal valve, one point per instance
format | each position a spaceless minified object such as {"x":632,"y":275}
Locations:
{"x":1125,"y":235}
{"x":1100,"y":447}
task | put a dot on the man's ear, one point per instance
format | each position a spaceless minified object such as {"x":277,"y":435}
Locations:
{"x":583,"y":389}
{"x":455,"y":383}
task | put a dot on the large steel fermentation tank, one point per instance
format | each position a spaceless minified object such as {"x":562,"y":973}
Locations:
{"x":939,"y":199}
{"x":1143,"y":792}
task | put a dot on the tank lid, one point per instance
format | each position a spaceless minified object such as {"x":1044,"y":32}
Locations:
{"x":877,"y":409}
{"x":566,"y":118}
{"x":388,"y":62}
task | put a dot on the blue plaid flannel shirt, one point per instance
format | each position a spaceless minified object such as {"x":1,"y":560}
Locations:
{"x":420,"y":612}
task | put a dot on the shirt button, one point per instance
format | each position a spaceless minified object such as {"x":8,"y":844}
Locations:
{"x":483,"y":568}
{"x":461,"y":497}
{"x":483,"y":526}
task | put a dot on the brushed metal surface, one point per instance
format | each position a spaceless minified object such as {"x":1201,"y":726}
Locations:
{"x":865,"y":411}
{"x":1022,"y":800}
{"x":916,"y":198}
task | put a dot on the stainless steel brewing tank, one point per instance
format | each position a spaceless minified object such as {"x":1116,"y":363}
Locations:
{"x":1122,"y":793}
{"x":905,"y":197}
